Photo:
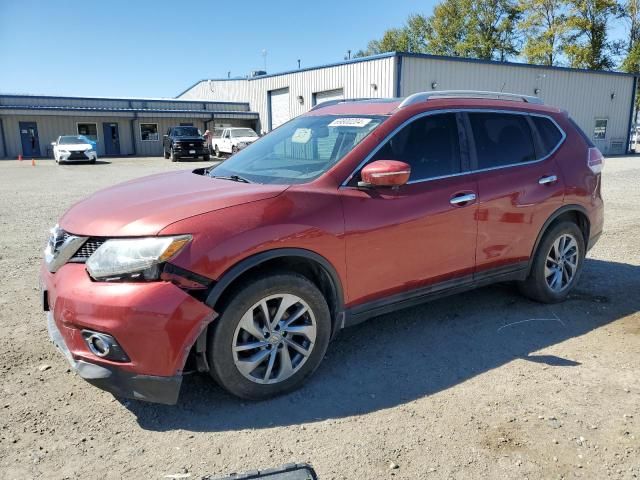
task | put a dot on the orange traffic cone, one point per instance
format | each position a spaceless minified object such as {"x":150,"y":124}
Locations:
{"x":20,"y":157}
{"x":33,"y":162}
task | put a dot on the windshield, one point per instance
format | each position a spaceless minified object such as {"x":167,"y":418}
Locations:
{"x":72,"y":140}
{"x":243,"y":132}
{"x":186,"y":132}
{"x":300,"y":150}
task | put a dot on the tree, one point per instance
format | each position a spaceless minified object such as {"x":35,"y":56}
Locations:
{"x":631,"y":13}
{"x":544,"y":27}
{"x":409,"y":38}
{"x":474,"y":28}
{"x":492,"y":31}
{"x":447,"y":29}
{"x":393,"y":40}
{"x":587,"y":44}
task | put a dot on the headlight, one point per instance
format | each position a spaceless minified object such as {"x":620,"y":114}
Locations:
{"x":137,"y":258}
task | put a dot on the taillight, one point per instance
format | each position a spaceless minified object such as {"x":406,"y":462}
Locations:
{"x":595,"y":160}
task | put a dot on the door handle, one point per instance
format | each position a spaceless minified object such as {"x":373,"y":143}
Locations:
{"x":548,"y":179}
{"x":462,"y":199}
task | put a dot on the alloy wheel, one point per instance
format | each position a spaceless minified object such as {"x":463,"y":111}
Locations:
{"x":274,"y":339}
{"x":561,"y":264}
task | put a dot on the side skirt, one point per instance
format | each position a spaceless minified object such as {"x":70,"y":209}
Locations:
{"x":360,"y":313}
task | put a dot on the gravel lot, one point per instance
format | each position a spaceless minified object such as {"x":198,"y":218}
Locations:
{"x":481,"y":385}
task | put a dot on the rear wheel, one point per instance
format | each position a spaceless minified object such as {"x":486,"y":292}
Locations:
{"x":557,"y":264}
{"x":206,"y":158}
{"x":272,"y":335}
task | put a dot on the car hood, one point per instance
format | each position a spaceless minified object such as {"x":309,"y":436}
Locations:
{"x":76,"y":146}
{"x":147,"y":205}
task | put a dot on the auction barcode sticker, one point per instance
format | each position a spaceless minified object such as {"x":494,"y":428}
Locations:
{"x":350,"y":122}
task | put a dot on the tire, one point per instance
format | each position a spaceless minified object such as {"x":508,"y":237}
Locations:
{"x":216,"y":151}
{"x":166,"y":154}
{"x":92,"y":161}
{"x":544,"y":270}
{"x":243,"y":307}
{"x":206,"y":158}
{"x":172,"y":156}
{"x":234,"y":150}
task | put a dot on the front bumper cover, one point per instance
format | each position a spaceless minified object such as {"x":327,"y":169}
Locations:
{"x":119,"y":382}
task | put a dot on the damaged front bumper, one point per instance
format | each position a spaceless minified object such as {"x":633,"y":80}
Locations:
{"x":121,"y":383}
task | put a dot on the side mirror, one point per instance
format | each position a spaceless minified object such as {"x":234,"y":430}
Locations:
{"x":53,"y":144}
{"x":385,"y":173}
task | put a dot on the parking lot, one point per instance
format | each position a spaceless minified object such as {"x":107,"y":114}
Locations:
{"x":481,"y":385}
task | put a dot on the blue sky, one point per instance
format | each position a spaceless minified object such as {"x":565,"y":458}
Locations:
{"x":158,"y":48}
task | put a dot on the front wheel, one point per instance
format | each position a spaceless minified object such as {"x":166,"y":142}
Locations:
{"x":272,"y":335}
{"x":217,"y":151}
{"x":166,"y":154}
{"x":557,"y":264}
{"x":172,"y":156}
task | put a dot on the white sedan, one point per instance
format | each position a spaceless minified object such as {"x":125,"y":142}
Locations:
{"x":74,"y":148}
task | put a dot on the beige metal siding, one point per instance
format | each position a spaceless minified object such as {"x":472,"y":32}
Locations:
{"x":356,"y":79}
{"x":50,"y":127}
{"x":585,"y":95}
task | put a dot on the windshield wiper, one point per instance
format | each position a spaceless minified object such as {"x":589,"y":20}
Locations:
{"x":234,"y":178}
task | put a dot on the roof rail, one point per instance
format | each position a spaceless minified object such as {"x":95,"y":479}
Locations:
{"x":425,"y":96}
{"x":329,"y":103}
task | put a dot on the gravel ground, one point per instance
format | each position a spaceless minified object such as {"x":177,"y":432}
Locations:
{"x":485,"y":385}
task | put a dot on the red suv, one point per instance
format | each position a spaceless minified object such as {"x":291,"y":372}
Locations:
{"x":246,"y":270}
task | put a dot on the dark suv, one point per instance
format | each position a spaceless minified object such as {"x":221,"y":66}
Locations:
{"x":184,"y":141}
{"x":246,"y":270}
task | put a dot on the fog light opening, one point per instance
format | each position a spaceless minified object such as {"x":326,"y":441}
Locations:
{"x":99,"y":345}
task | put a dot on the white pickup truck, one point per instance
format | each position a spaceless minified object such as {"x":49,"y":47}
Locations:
{"x":233,"y":139}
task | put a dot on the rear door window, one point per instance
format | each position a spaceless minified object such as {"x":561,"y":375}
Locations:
{"x":501,"y":139}
{"x":550,"y":135}
{"x":430,"y":145}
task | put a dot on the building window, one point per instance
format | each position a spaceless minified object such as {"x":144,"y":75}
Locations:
{"x":600,"y":130}
{"x":149,"y":132}
{"x":89,"y":130}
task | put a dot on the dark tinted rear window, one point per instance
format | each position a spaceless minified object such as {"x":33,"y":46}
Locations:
{"x":549,"y":134}
{"x":501,"y":139}
{"x":581,"y":132}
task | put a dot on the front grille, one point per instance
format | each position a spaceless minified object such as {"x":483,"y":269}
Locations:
{"x":77,"y":156}
{"x":192,"y":144}
{"x":87,"y":249}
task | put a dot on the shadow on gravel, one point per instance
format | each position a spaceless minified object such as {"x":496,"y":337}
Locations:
{"x":414,"y":353}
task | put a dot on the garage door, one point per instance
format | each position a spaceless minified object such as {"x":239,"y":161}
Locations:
{"x":279,"y":107}
{"x":328,"y":95}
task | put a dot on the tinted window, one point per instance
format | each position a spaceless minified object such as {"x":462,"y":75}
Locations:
{"x":549,"y":134}
{"x":501,"y":139}
{"x":430,"y":145}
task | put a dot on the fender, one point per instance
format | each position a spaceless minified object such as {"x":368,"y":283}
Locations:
{"x":564,"y":209}
{"x":234,"y":272}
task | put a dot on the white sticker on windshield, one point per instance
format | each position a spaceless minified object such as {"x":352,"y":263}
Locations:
{"x":301,"y":135}
{"x":350,"y":122}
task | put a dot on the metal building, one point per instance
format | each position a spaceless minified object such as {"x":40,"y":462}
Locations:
{"x":600,"y":102}
{"x":120,"y":126}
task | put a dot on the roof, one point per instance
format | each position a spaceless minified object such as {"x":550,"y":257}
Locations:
{"x":116,"y":99}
